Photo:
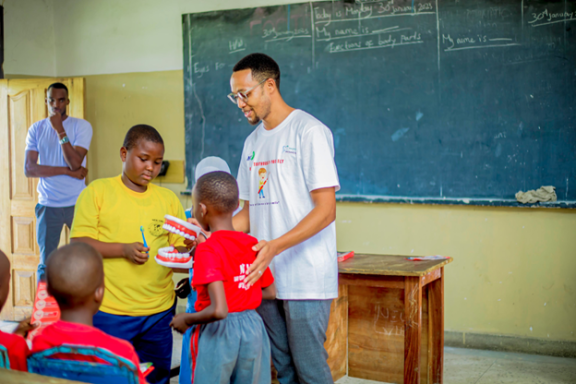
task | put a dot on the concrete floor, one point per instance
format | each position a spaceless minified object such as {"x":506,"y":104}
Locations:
{"x":463,"y":366}
{"x":473,"y":366}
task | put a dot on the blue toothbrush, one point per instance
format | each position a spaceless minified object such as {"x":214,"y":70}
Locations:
{"x":143,"y":238}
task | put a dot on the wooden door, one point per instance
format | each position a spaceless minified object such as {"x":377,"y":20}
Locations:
{"x":22,"y":102}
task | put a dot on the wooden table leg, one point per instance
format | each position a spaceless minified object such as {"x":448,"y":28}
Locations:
{"x":413,"y":329}
{"x":436,"y":313}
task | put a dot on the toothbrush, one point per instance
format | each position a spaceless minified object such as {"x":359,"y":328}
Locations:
{"x":143,"y":238}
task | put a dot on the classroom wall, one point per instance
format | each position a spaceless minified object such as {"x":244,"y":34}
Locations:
{"x":29,"y":38}
{"x":514,"y":271}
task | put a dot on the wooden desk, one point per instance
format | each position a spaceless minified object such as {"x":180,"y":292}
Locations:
{"x":388,"y":321}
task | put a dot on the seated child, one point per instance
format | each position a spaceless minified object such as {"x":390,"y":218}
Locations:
{"x":14,"y":343}
{"x":75,"y":277}
{"x":139,"y":302}
{"x":229,"y":341}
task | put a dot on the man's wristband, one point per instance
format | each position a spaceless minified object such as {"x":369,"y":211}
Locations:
{"x":64,"y":140}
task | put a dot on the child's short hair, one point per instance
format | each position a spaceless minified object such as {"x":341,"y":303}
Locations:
{"x":219,"y":189}
{"x":261,"y":171}
{"x":141,"y":132}
{"x":73,"y":272}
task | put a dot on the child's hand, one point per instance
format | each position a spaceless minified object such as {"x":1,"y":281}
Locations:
{"x":24,"y":327}
{"x":179,"y":323}
{"x":200,"y":239}
{"x":136,"y":253}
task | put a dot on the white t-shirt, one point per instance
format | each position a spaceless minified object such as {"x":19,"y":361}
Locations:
{"x":61,"y":190}
{"x":278,"y":170}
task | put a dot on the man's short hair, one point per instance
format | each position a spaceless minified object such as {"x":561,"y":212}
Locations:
{"x":58,"y":86}
{"x":218,"y":189}
{"x":141,"y":132}
{"x":262,"y":67}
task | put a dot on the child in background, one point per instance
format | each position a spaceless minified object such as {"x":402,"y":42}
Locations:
{"x":139,"y":301}
{"x":75,"y":277}
{"x":229,"y":341}
{"x":14,"y":342}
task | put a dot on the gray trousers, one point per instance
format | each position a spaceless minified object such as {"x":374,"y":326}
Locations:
{"x":234,"y":350}
{"x":297,"y":331}
{"x":49,"y":223}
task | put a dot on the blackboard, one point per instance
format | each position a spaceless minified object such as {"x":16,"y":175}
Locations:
{"x":462,"y":102}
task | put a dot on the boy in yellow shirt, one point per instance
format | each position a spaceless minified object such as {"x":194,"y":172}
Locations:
{"x":139,"y":300}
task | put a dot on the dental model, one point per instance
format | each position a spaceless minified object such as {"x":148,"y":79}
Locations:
{"x":171,"y":258}
{"x":181,"y":227}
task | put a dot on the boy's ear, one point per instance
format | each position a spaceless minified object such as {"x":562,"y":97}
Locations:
{"x":99,"y":294}
{"x":123,"y":153}
{"x":203,"y":209}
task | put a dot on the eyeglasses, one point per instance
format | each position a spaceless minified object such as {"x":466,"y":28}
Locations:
{"x":243,"y":95}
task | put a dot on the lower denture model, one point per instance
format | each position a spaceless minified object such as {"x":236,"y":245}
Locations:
{"x":169,"y":256}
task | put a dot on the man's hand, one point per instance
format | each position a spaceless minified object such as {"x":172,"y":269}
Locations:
{"x":79,"y":174}
{"x":24,"y":327}
{"x":179,"y":323}
{"x":266,"y":252}
{"x":136,"y":253}
{"x":56,"y":123}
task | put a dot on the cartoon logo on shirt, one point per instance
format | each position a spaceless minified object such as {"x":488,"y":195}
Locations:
{"x":288,"y":149}
{"x":155,"y":227}
{"x":251,"y":157}
{"x":262,"y":180}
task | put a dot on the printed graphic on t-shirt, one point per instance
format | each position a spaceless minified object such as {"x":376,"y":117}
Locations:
{"x":250,"y":158}
{"x":288,"y":149}
{"x":155,"y":227}
{"x":240,"y":278}
{"x":262,"y":180}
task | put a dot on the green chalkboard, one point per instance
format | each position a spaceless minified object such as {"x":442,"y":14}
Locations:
{"x":463,"y":102}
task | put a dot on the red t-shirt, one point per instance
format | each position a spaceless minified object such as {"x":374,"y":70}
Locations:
{"x":64,"y":332}
{"x":17,"y":350}
{"x":226,"y":256}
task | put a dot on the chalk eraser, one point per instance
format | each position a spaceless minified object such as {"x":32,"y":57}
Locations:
{"x":345,"y":255}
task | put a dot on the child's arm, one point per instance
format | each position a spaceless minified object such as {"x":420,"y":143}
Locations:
{"x":135,"y":252}
{"x":269,"y":293}
{"x":217,"y":310}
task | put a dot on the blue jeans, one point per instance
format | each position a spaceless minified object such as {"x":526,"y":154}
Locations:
{"x":297,"y":331}
{"x":150,"y":335}
{"x":49,"y":223}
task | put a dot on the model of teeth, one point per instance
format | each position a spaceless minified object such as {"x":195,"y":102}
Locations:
{"x":181,"y":227}
{"x":170,"y":257}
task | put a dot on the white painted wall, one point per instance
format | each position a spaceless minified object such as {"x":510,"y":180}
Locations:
{"x":104,"y":36}
{"x":29,"y":38}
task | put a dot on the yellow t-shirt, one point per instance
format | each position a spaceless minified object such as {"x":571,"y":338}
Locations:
{"x":108,"y":211}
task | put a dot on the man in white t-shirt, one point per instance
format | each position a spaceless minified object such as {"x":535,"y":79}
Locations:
{"x":56,"y":150}
{"x":288,"y":180}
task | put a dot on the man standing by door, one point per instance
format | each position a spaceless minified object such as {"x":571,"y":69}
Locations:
{"x":288,"y":179}
{"x":56,"y":150}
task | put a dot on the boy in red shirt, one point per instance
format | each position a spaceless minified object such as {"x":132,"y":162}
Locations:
{"x":14,"y":343}
{"x":75,"y":277}
{"x":229,"y":341}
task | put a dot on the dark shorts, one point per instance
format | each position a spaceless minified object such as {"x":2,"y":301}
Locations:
{"x":150,"y":335}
